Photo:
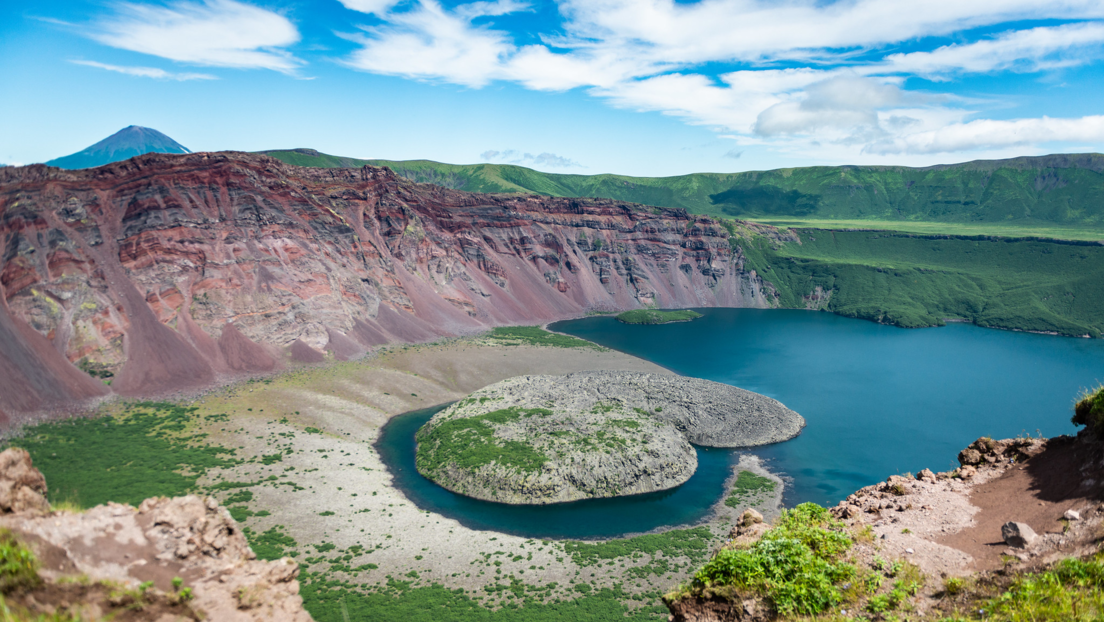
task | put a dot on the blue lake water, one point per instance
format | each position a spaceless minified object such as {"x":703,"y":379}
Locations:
{"x":593,"y":518}
{"x":877,"y":400}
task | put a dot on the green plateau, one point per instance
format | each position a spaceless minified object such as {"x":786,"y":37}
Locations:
{"x":1054,"y":195}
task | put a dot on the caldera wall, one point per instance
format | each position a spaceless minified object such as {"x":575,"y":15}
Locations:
{"x":139,"y":266}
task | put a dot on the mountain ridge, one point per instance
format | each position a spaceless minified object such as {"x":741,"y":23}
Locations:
{"x":1056,"y":189}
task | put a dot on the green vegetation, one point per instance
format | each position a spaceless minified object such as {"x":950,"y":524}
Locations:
{"x":271,"y":544}
{"x":915,"y":281}
{"x":145,"y":451}
{"x":653,"y":316}
{"x":1013,"y":229}
{"x":749,"y":489}
{"x":1072,"y":589}
{"x":796,"y":565}
{"x":1063,"y":190}
{"x":537,"y":336}
{"x":469,"y":443}
{"x":692,"y":543}
{"x":330,"y":600}
{"x":1089,"y":409}
{"x":18,"y":565}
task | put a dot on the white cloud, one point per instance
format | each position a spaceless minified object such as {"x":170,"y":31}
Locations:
{"x":216,"y":33}
{"x":985,"y":134}
{"x":513,"y":156}
{"x":749,"y":30}
{"x":650,"y":55}
{"x":146,"y":72}
{"x":1035,"y":49}
{"x":428,"y":42}
{"x":370,"y":6}
{"x":473,"y":10}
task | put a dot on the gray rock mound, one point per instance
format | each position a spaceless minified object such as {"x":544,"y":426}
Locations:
{"x":550,"y":439}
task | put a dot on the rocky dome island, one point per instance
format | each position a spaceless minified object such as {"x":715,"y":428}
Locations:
{"x":550,"y":439}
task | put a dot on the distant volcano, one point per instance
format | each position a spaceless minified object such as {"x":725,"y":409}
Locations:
{"x":126,"y":143}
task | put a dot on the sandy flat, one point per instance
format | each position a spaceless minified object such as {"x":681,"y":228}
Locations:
{"x":328,"y":418}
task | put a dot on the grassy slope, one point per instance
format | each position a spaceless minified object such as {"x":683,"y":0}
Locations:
{"x":1062,"y":190}
{"x":914,"y":281}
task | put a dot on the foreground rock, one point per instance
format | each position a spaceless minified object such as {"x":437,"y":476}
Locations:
{"x":189,"y":537}
{"x":550,"y":439}
{"x":1015,"y":505}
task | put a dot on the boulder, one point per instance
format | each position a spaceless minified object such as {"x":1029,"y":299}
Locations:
{"x":750,"y":517}
{"x":1072,"y":515}
{"x":1019,"y":535}
{"x":22,"y":487}
{"x":969,"y":457}
{"x":926,"y":475}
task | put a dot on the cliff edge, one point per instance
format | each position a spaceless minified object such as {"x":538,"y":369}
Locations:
{"x":170,"y":558}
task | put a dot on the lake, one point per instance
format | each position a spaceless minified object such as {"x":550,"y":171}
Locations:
{"x":878,"y":401}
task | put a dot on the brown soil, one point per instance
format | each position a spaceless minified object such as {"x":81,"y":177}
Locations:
{"x":97,"y":601}
{"x":404,"y":326}
{"x":343,"y":348}
{"x":33,"y":374}
{"x":303,"y":353}
{"x":1037,"y":492}
{"x":368,"y":334}
{"x":242,"y":354}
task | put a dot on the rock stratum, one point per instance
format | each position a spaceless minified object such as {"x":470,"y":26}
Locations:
{"x":550,"y":439}
{"x":169,"y":272}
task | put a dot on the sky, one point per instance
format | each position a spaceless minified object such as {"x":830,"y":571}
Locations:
{"x":636,"y":87}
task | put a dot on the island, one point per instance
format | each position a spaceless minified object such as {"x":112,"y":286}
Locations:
{"x":550,"y":439}
{"x":655,"y":316}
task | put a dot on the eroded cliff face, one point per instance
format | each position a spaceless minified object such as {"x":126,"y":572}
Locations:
{"x":172,"y":271}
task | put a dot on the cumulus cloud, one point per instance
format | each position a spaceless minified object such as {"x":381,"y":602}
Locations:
{"x":512,"y":156}
{"x":146,"y":72}
{"x":732,"y":153}
{"x":215,"y":33}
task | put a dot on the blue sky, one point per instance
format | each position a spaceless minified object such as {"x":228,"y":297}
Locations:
{"x":638,"y":87}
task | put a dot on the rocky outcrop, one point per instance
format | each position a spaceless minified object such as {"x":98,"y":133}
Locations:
{"x":550,"y":439}
{"x":190,"y":538}
{"x":139,"y":267}
{"x":1013,"y":505}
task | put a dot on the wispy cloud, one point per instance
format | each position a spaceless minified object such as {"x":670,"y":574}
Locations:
{"x":215,"y":33}
{"x":430,"y":42}
{"x":1031,"y":50}
{"x":512,"y":156}
{"x":146,"y":72}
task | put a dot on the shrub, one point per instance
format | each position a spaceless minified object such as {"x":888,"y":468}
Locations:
{"x":794,"y":564}
{"x":1089,"y":409}
{"x":18,"y":565}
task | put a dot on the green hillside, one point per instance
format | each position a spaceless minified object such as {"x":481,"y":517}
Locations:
{"x":916,"y":280}
{"x":1047,"y":191}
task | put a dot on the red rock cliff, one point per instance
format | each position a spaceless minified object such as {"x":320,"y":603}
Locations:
{"x":171,"y":270}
